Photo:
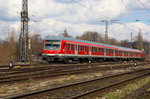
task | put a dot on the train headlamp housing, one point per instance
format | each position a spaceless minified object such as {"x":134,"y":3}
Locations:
{"x":45,"y":54}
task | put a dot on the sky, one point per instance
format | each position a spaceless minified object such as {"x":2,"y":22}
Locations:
{"x":52,"y":17}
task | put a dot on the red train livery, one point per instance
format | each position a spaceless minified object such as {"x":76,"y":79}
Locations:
{"x":69,"y":49}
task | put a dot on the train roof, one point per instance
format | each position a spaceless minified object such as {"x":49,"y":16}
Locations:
{"x":89,"y":42}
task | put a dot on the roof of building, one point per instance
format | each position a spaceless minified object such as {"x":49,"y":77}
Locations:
{"x":89,"y":42}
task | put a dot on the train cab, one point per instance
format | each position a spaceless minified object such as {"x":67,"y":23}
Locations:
{"x":51,"y":49}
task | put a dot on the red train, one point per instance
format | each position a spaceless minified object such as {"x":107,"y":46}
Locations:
{"x":69,"y":49}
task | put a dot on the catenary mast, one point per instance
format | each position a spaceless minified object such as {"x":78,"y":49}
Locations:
{"x":24,"y":32}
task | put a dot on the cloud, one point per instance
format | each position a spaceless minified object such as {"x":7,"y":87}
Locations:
{"x":50,"y":17}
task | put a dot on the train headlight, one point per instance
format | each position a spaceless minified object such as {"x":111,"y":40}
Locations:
{"x":56,"y":55}
{"x":45,"y":54}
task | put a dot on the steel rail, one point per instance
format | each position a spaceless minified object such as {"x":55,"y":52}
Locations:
{"x":59,"y":66}
{"x":43,"y":68}
{"x":73,"y":84}
{"x":50,"y":73}
{"x":57,"y":73}
{"x":105,"y":87}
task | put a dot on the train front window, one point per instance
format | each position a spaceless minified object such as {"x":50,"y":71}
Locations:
{"x":52,"y":44}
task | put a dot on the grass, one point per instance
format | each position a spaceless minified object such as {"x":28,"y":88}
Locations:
{"x":121,"y":93}
{"x":148,"y":89}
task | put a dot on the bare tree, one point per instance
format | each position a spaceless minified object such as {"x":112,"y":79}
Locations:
{"x":65,"y":34}
{"x":113,"y":41}
{"x":139,"y":40}
{"x":125,"y":43}
{"x":8,"y":47}
{"x":36,"y":44}
{"x":91,"y":36}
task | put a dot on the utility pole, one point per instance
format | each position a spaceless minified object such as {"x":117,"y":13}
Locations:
{"x":106,"y":31}
{"x":24,"y":32}
{"x":106,"y":28}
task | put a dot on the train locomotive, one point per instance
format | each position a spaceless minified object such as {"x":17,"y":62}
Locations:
{"x":63,"y":49}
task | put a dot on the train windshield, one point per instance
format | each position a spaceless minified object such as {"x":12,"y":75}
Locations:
{"x":52,"y":44}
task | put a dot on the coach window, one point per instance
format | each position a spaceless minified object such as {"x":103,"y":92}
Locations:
{"x":92,"y":49}
{"x":78,"y":47}
{"x":116,"y":51}
{"x":96,"y":49}
{"x":99,"y":50}
{"x":125,"y":53}
{"x":72,"y":47}
{"x":85,"y":48}
{"x":102,"y":50}
{"x":68,"y":46}
{"x":64,"y":45}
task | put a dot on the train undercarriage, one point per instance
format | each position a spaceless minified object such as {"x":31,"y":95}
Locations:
{"x":69,"y":59}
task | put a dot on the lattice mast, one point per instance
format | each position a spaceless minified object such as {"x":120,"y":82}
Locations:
{"x":24,"y":32}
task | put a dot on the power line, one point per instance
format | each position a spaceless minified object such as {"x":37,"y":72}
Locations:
{"x":102,"y":15}
{"x":90,"y":9}
{"x":126,"y":26}
{"x":144,"y":6}
{"x":123,"y":4}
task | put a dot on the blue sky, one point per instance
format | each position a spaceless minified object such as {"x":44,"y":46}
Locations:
{"x":52,"y":17}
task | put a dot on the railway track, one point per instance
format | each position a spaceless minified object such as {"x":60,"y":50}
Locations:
{"x":39,"y":73}
{"x":84,"y":88}
{"x":138,"y":93}
{"x":55,"y":67}
{"x":38,"y":66}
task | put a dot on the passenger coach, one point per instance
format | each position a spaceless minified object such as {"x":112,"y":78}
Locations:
{"x":69,"y":49}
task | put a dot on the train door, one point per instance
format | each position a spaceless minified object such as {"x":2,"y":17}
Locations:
{"x":66,"y":48}
{"x":76,"y":49}
{"x":90,"y":50}
{"x":105,"y":52}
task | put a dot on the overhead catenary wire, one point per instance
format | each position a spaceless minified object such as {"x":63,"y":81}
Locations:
{"x":147,"y":10}
{"x":126,"y":26}
{"x":91,"y":9}
{"x":102,"y":14}
{"x":123,"y":4}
